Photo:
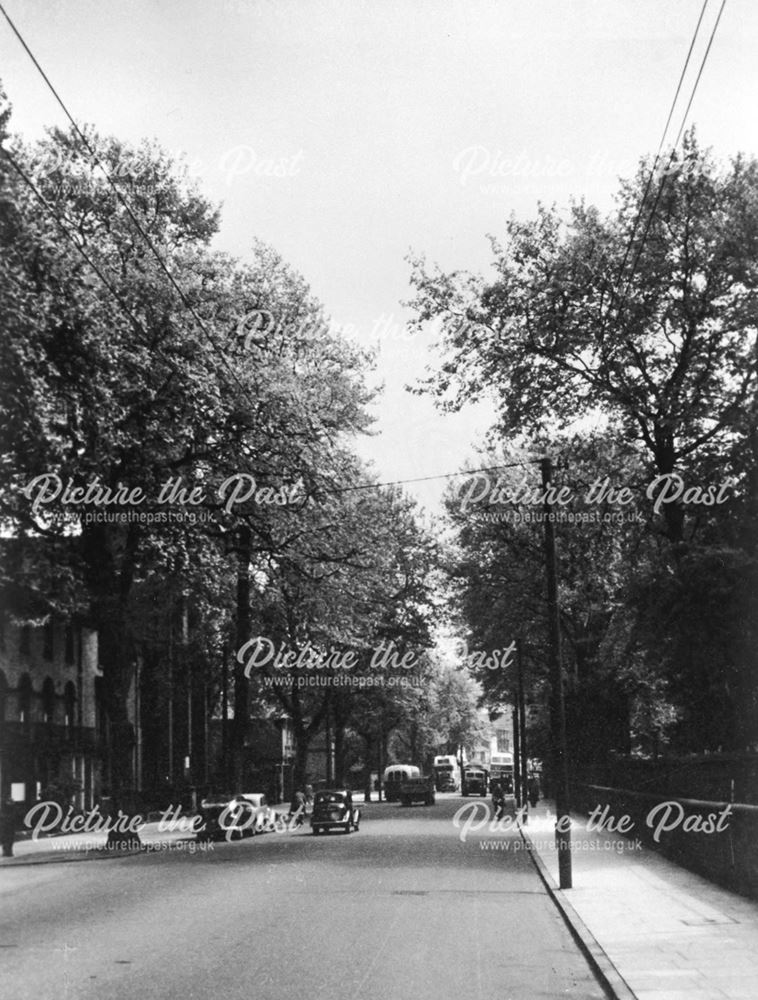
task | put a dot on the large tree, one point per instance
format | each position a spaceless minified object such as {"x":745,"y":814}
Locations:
{"x":112,"y":375}
{"x":648,"y":318}
{"x":642,"y":322}
{"x":355,"y":583}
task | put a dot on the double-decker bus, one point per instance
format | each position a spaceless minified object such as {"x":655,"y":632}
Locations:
{"x":501,"y":770}
{"x":447,"y":773}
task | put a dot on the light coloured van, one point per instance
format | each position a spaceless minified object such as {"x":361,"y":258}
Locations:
{"x":393,"y":778}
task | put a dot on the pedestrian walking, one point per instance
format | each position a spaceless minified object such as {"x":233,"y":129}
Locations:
{"x":533,"y":790}
{"x":498,"y":800}
{"x":297,"y":808}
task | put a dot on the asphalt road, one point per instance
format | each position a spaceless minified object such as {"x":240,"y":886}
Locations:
{"x":401,"y":910}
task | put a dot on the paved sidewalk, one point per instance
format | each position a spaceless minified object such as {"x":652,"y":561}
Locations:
{"x":655,"y":930}
{"x":90,"y":847}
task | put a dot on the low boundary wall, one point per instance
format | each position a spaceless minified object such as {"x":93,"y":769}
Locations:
{"x":718,"y":840}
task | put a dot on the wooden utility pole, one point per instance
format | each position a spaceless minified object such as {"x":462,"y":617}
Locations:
{"x":557,"y":713}
{"x":522,"y":731}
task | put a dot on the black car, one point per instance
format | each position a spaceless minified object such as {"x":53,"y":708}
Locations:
{"x":225,"y":818}
{"x":333,"y":809}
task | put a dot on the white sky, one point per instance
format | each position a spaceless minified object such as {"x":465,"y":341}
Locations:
{"x":375,"y":108}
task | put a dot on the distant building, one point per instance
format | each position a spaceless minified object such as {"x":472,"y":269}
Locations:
{"x":53,"y":731}
{"x":55,"y":736}
{"x":502,"y":737}
{"x":498,"y":736}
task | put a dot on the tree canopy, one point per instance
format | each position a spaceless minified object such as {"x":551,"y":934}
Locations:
{"x":624,"y":346}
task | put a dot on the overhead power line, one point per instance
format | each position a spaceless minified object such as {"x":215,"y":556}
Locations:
{"x":443,"y":475}
{"x":676,"y":143}
{"x":145,"y":236}
{"x":651,"y":175}
{"x":672,"y":154}
{"x":64,"y":228}
{"x":143,"y":333}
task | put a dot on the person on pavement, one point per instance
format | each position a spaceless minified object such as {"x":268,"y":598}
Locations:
{"x":533,"y":790}
{"x":297,"y":808}
{"x":498,"y":800}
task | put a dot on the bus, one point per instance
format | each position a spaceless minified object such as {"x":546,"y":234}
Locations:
{"x":501,"y":769}
{"x":447,"y":773}
{"x":475,"y":780}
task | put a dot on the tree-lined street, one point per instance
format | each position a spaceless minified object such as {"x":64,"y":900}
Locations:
{"x":400,"y":909}
{"x":378,"y":421}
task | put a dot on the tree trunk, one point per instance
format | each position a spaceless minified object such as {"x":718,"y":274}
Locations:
{"x":109,"y":555}
{"x":341,"y":715}
{"x":665,"y":460}
{"x":368,"y":745}
{"x":241,"y":682}
{"x":300,"y":765}
{"x":339,"y":753}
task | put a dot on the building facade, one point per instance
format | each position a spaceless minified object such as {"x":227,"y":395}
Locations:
{"x":52,"y":728}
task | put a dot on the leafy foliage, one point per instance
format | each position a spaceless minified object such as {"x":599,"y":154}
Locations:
{"x":629,"y":358}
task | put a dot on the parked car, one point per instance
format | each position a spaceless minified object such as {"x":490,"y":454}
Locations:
{"x":232,"y":817}
{"x":224,"y":819}
{"x":474,"y":781}
{"x":333,"y":809}
{"x":417,"y":790}
{"x":264,"y":817}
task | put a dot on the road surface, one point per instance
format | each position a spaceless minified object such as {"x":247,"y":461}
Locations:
{"x":402,"y":910}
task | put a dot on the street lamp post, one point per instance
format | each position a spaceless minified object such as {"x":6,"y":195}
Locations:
{"x":522,"y":732}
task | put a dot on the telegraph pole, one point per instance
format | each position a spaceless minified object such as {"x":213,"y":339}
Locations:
{"x":522,"y":731}
{"x":517,"y":755}
{"x":557,"y":713}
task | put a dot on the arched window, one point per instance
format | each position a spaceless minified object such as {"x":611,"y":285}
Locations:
{"x":48,"y":700}
{"x":25,"y":692}
{"x":69,"y":701}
